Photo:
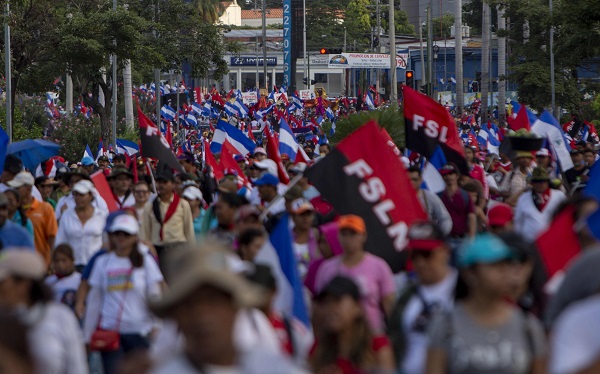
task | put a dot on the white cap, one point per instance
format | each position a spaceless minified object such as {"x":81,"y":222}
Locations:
{"x":23,"y":178}
{"x":544,"y":152}
{"x":84,"y":186}
{"x":22,"y":262}
{"x":267,"y":164}
{"x":192,"y":193}
{"x":260,"y":150}
{"x":125,"y":223}
{"x":299,"y":167}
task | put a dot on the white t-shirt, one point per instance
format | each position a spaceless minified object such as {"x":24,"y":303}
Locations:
{"x":85,"y":239}
{"x":126,"y":291}
{"x":55,"y":340}
{"x":65,"y":288}
{"x":439,"y":297}
{"x":575,"y":343}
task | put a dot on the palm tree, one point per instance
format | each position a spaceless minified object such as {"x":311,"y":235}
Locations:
{"x":209,"y":10}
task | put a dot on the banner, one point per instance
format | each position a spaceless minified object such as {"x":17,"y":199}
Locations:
{"x":366,"y":60}
{"x":306,"y":95}
{"x":249,"y":98}
{"x":429,"y":124}
{"x":364,"y":176}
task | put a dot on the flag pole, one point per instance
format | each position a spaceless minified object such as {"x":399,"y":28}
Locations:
{"x":8,"y":75}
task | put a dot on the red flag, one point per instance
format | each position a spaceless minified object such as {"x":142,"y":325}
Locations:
{"x":197,"y":95}
{"x":558,"y":245}
{"x":168,"y":135}
{"x":104,"y":190}
{"x":273,"y":153}
{"x":154,"y":143}
{"x":521,"y":121}
{"x":228,"y":162}
{"x":210,"y":160}
{"x":429,"y":125}
{"x":136,"y":177}
{"x":364,"y":176}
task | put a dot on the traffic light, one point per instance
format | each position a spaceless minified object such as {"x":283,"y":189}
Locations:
{"x":410,"y":78}
{"x":305,"y":81}
{"x":332,"y":51}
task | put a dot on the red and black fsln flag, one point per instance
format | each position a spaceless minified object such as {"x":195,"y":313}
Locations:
{"x":429,"y":125}
{"x":362,"y":175}
{"x":154,"y":144}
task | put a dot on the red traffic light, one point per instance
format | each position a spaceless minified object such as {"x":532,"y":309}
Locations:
{"x":323,"y":51}
{"x":409,"y":74}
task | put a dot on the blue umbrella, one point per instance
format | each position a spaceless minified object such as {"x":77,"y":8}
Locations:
{"x":33,"y":151}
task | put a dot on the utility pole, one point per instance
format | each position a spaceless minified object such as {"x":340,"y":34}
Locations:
{"x":485,"y":60}
{"x":460,"y":100}
{"x":501,"y":66}
{"x":378,"y":44}
{"x":392,"y":35}
{"x":8,"y":75}
{"x":552,"y":82}
{"x":264,"y":39}
{"x":430,"y":78}
{"x":304,"y":40}
{"x":423,"y":79}
{"x":114,"y":92}
{"x":128,"y":95}
{"x":157,"y":75}
{"x":69,"y":94}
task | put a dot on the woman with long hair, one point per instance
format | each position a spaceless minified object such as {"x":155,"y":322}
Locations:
{"x":54,"y":336}
{"x":344,"y":342}
{"x":121,"y":284}
{"x":486,"y":332}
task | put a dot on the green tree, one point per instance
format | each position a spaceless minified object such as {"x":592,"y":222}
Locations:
{"x":403,"y":27}
{"x":209,"y":10}
{"x":441,"y":26}
{"x":325,"y":28}
{"x":358,"y":24}
{"x":391,"y":119}
{"x":33,"y":41}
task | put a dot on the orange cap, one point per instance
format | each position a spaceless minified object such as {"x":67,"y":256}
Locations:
{"x":352,"y":222}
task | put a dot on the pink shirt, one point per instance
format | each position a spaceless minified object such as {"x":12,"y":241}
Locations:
{"x":373,"y":277}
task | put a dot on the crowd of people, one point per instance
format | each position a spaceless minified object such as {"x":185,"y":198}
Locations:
{"x":184,"y":276}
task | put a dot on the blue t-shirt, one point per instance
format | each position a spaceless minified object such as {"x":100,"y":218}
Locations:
{"x":14,"y":235}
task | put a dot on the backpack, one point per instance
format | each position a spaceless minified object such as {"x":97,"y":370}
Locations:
{"x":395,"y":329}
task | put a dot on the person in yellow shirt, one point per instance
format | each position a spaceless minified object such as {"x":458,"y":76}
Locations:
{"x":39,"y":212}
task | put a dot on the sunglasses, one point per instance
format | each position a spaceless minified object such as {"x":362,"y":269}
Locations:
{"x":426,"y":255}
{"x":122,"y":233}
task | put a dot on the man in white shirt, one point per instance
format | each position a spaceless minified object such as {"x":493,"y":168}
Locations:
{"x":535,"y":207}
{"x":120,"y":181}
{"x":430,"y":292}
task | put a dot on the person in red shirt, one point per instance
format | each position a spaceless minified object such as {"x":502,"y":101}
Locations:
{"x":344,"y":342}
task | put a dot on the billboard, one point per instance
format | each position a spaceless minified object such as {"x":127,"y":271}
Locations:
{"x":366,"y":60}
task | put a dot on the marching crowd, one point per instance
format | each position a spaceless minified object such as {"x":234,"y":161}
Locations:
{"x":184,"y":275}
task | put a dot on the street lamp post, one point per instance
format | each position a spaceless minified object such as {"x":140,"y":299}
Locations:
{"x":304,"y":41}
{"x":264,"y":39}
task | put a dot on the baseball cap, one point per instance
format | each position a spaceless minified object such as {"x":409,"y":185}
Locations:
{"x":165,"y":176}
{"x":302,"y":205}
{"x":267,"y":164}
{"x":23,"y":263}
{"x":230,"y":171}
{"x":543,"y":152}
{"x":267,"y":179}
{"x":448,"y":169}
{"x":23,"y":178}
{"x":87,"y":161}
{"x":239,"y":158}
{"x":500,"y":214}
{"x":246,"y":211}
{"x":125,"y":223}
{"x":285,"y":157}
{"x":259,"y":150}
{"x":119,"y":171}
{"x":425,"y":236}
{"x":83,"y":186}
{"x":192,"y":193}
{"x":298,"y":168}
{"x":484,"y":249}
{"x":523,"y":154}
{"x":352,"y":222}
{"x":339,"y":287}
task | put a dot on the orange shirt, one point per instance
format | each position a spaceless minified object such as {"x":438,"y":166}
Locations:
{"x":45,"y":226}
